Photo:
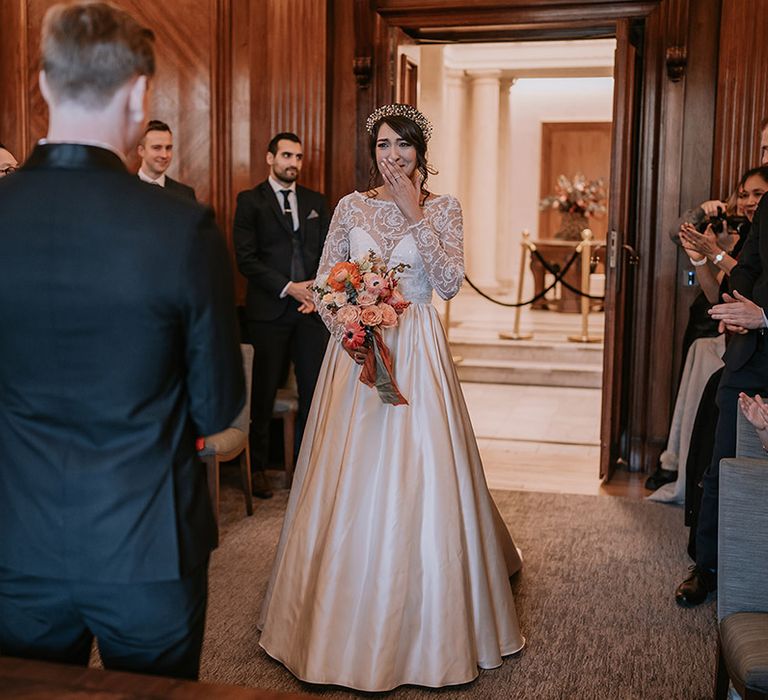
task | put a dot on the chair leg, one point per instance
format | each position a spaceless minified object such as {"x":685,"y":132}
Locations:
{"x":212,"y":468}
{"x":721,"y":674}
{"x":289,"y":437}
{"x":245,"y":475}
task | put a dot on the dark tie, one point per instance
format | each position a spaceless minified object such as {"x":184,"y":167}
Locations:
{"x":298,"y":274}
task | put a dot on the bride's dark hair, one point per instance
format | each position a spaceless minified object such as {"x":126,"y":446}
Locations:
{"x":408,"y":131}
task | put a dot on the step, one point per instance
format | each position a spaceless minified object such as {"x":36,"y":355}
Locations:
{"x":525,"y":350}
{"x":487,"y":371}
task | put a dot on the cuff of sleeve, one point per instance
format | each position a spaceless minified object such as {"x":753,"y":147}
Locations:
{"x":284,"y":293}
{"x":765,"y":319}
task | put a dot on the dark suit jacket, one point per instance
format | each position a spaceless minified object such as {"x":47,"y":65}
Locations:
{"x":178,"y":188}
{"x":750,"y":278}
{"x":118,"y":348}
{"x":262,"y":241}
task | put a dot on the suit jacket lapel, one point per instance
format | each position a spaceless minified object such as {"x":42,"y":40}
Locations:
{"x":269,"y":194}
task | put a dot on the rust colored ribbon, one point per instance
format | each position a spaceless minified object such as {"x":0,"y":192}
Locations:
{"x":377,"y":371}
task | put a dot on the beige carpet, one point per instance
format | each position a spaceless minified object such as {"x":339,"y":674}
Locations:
{"x":594,"y":600}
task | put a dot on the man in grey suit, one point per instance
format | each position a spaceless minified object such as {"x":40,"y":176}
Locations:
{"x":156,"y":152}
{"x":119,"y":348}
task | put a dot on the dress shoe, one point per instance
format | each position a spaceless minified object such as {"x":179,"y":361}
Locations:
{"x":659,"y":478}
{"x":260,"y":485}
{"x":695,"y":589}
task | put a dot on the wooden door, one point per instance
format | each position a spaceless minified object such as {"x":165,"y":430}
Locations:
{"x":568,"y":148}
{"x":617,"y":267}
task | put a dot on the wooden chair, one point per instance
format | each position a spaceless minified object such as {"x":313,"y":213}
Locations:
{"x":742,"y":589}
{"x":231,"y":443}
{"x":286,"y":408}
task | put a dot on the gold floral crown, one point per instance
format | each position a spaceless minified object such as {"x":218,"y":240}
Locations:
{"x":400,"y":110}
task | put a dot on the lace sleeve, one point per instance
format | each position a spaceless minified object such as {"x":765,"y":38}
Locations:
{"x":336,"y":249}
{"x":440,"y":240}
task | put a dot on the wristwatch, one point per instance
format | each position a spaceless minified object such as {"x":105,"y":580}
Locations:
{"x":719,"y":257}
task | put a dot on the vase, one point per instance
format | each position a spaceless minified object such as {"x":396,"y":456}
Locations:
{"x":571,"y":226}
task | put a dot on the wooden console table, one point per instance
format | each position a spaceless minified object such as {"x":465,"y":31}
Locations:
{"x":557,"y":253}
{"x":22,"y":679}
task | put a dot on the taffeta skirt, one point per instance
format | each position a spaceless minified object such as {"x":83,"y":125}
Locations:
{"x":393,"y":564}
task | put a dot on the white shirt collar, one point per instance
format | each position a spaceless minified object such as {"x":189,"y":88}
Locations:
{"x":160,"y":180}
{"x":277,"y":186}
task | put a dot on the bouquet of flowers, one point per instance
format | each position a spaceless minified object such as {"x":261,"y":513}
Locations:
{"x":363,"y":296}
{"x":580,"y":196}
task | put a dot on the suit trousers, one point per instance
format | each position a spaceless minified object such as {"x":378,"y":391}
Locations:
{"x":300,"y":338}
{"x":751,"y":378}
{"x":151,"y":627}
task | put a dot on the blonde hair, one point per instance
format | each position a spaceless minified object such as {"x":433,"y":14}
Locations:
{"x":90,"y":49}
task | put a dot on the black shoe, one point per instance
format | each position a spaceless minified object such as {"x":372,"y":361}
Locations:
{"x":659,"y":478}
{"x":260,"y":485}
{"x":695,"y":589}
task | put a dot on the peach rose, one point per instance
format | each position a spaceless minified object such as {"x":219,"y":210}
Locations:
{"x":388,"y":316}
{"x":339,"y":298}
{"x":348,"y":314}
{"x":371,"y":316}
{"x":366,"y":299}
{"x":328,"y":298}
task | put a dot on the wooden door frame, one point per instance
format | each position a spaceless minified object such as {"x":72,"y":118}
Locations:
{"x":496,"y":20}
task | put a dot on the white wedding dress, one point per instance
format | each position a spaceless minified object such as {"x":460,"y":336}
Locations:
{"x":393,"y":564}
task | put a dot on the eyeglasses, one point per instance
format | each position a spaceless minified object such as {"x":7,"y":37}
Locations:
{"x":7,"y":170}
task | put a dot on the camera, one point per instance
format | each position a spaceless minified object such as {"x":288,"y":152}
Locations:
{"x":720,"y":222}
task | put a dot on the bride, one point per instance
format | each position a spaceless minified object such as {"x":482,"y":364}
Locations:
{"x":393,"y":564}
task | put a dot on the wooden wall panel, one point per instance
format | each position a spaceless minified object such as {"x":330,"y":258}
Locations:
{"x":289,"y":81}
{"x":742,"y":91}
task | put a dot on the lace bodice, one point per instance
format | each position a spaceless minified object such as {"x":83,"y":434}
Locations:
{"x":434,"y":248}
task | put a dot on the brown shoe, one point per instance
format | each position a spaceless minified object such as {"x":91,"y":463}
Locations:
{"x":260,"y":485}
{"x":695,"y":589}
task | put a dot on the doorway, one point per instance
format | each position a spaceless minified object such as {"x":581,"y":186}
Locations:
{"x":407,"y":23}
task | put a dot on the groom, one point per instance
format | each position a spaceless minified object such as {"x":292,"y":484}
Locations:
{"x":119,"y":347}
{"x":279,"y":232}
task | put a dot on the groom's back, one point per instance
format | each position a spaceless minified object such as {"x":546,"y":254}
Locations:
{"x":118,"y":349}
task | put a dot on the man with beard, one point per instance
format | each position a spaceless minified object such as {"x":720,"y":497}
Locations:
{"x":279,"y":231}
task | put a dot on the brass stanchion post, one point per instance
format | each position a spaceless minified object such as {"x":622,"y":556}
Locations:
{"x":516,"y":334}
{"x":585,"y":248}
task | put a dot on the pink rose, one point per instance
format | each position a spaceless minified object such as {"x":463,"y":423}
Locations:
{"x":366,"y":299}
{"x":340,"y":298}
{"x":371,"y":316}
{"x":388,"y":315}
{"x":348,"y":314}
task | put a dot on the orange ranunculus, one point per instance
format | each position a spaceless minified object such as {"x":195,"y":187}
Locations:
{"x":342,"y":273}
{"x":371,"y":316}
{"x":388,"y":315}
{"x":348,"y":314}
{"x":354,"y":336}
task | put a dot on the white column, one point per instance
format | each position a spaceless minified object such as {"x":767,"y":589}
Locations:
{"x":454,"y":106}
{"x":481,"y":209}
{"x":507,"y":238}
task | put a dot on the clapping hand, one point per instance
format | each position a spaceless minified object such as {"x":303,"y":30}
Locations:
{"x":756,"y":412}
{"x":738,"y":314}
{"x":406,"y":192}
{"x":302,"y":293}
{"x":699,"y":245}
